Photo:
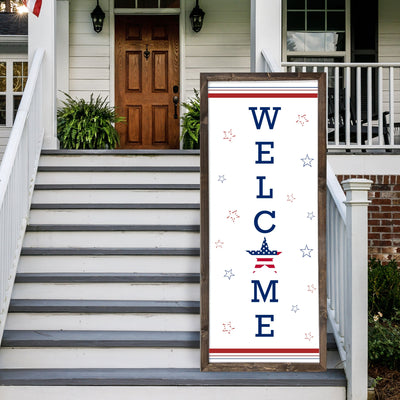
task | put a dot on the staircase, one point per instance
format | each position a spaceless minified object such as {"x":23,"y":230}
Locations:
{"x":106,"y":299}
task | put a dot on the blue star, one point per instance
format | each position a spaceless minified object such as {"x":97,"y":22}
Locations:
{"x":295,"y":308}
{"x":228,"y":274}
{"x":307,"y":161}
{"x":306,"y":251}
{"x":221,"y":178}
{"x":310,"y":215}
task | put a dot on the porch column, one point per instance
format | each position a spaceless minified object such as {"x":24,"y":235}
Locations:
{"x":266,"y":34}
{"x":42,"y":34}
{"x":62,"y":49}
{"x":357,"y":282}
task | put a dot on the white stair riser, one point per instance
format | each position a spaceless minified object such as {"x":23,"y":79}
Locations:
{"x":117,"y":177}
{"x":119,"y":217}
{"x":102,"y":322}
{"x":116,"y":196}
{"x":112,"y":239}
{"x":120,"y":160}
{"x":107,"y":291}
{"x":99,"y":358}
{"x":170,"y":393}
{"x":104,"y":358}
{"x":139,"y":264}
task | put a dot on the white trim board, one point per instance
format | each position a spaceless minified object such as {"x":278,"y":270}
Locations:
{"x":365,"y":164}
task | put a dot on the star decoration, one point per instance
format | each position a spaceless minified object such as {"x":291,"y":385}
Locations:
{"x":310,"y":215}
{"x":311,"y":288}
{"x":229,"y":274}
{"x":221,"y":178}
{"x":307,"y":161}
{"x":227,"y":327}
{"x":228,"y":135}
{"x":306,"y":251}
{"x":233,"y":215}
{"x":291,"y":198}
{"x":301,"y":119}
{"x":308,"y":336}
{"x":295,"y":308}
{"x":219,"y":244}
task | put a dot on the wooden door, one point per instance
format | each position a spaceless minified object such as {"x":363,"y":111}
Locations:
{"x":147,"y":81}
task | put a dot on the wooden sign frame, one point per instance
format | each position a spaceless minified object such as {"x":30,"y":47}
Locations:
{"x":221,"y":95}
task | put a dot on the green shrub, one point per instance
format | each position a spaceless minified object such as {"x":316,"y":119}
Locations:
{"x":191,"y":123}
{"x":383,"y":288}
{"x":87,"y":125}
{"x":384,"y":340}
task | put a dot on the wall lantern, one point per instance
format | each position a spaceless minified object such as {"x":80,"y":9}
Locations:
{"x":97,"y":18}
{"x":197,"y":17}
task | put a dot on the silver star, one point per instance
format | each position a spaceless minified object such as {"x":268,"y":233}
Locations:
{"x":306,"y":251}
{"x":221,"y":178}
{"x":228,"y":274}
{"x":307,"y":161}
{"x":310,"y":215}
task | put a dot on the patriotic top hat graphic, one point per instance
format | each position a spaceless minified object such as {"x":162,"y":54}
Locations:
{"x":264,"y":251}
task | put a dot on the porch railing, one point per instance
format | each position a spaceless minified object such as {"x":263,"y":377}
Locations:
{"x":17,"y":177}
{"x":361,"y":112}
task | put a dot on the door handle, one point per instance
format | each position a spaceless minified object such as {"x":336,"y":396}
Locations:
{"x":175,"y":99}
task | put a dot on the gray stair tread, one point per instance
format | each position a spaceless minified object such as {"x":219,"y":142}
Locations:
{"x":124,"y":206}
{"x":109,"y":227}
{"x":117,"y":168}
{"x":103,"y":306}
{"x":118,"y":186}
{"x":45,"y":338}
{"x":106,"y":277}
{"x":176,"y":152}
{"x":166,"y":377}
{"x":75,"y":251}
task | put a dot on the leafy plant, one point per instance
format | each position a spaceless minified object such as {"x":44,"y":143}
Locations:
{"x":383,"y":288}
{"x":191,"y":122}
{"x":87,"y":125}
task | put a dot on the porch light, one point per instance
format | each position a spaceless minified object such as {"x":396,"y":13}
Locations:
{"x":97,"y":18}
{"x":197,"y":17}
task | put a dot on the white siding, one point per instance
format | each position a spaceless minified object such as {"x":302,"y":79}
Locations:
{"x":223,"y":44}
{"x":89,"y":53}
{"x":4,"y":135}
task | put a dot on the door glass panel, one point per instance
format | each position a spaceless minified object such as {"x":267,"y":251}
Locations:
{"x":296,"y":21}
{"x":3,"y":69}
{"x":147,"y":3}
{"x":336,"y":21}
{"x":170,"y":4}
{"x":296,"y":4}
{"x":336,"y":4}
{"x":316,"y":4}
{"x":2,"y":110}
{"x":316,"y":21}
{"x":124,"y":4}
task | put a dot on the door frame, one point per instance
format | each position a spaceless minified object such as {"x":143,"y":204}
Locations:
{"x":147,"y":11}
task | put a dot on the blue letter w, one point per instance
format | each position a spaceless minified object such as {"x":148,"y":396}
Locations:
{"x":265,"y":110}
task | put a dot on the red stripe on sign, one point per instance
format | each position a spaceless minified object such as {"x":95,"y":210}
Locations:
{"x":264,"y":351}
{"x":263,"y":95}
{"x":265,"y":259}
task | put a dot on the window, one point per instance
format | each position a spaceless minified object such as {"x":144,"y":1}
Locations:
{"x":13,"y":78}
{"x":315,"y":28}
{"x":146,"y":3}
{"x":11,"y":6}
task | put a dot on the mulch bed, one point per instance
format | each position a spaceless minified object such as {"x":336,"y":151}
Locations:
{"x":388,"y":387}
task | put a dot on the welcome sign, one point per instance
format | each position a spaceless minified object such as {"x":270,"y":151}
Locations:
{"x":263,"y":303}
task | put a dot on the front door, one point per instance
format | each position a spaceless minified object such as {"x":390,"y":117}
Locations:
{"x":147,"y":81}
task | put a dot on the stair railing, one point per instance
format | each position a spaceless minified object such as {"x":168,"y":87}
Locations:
{"x":347,"y":273}
{"x":17,"y":177}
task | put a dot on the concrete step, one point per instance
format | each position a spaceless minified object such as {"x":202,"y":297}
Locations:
{"x":120,"y":158}
{"x":93,"y":236}
{"x":118,"y":175}
{"x":103,"y":262}
{"x":130,"y":214}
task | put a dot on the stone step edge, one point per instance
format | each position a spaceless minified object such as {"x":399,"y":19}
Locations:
{"x":103,"y":306}
{"x":107,"y":278}
{"x":78,"y":251}
{"x":117,"y":186}
{"x":116,"y":168}
{"x":124,"y":206}
{"x":167,"y":377}
{"x":110,"y":228}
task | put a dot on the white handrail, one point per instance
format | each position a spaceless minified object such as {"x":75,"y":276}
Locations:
{"x":17,"y":175}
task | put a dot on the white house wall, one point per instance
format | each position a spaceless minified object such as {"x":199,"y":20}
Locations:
{"x":223,"y":45}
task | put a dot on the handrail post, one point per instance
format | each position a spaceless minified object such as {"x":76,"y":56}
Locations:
{"x":357,"y":284}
